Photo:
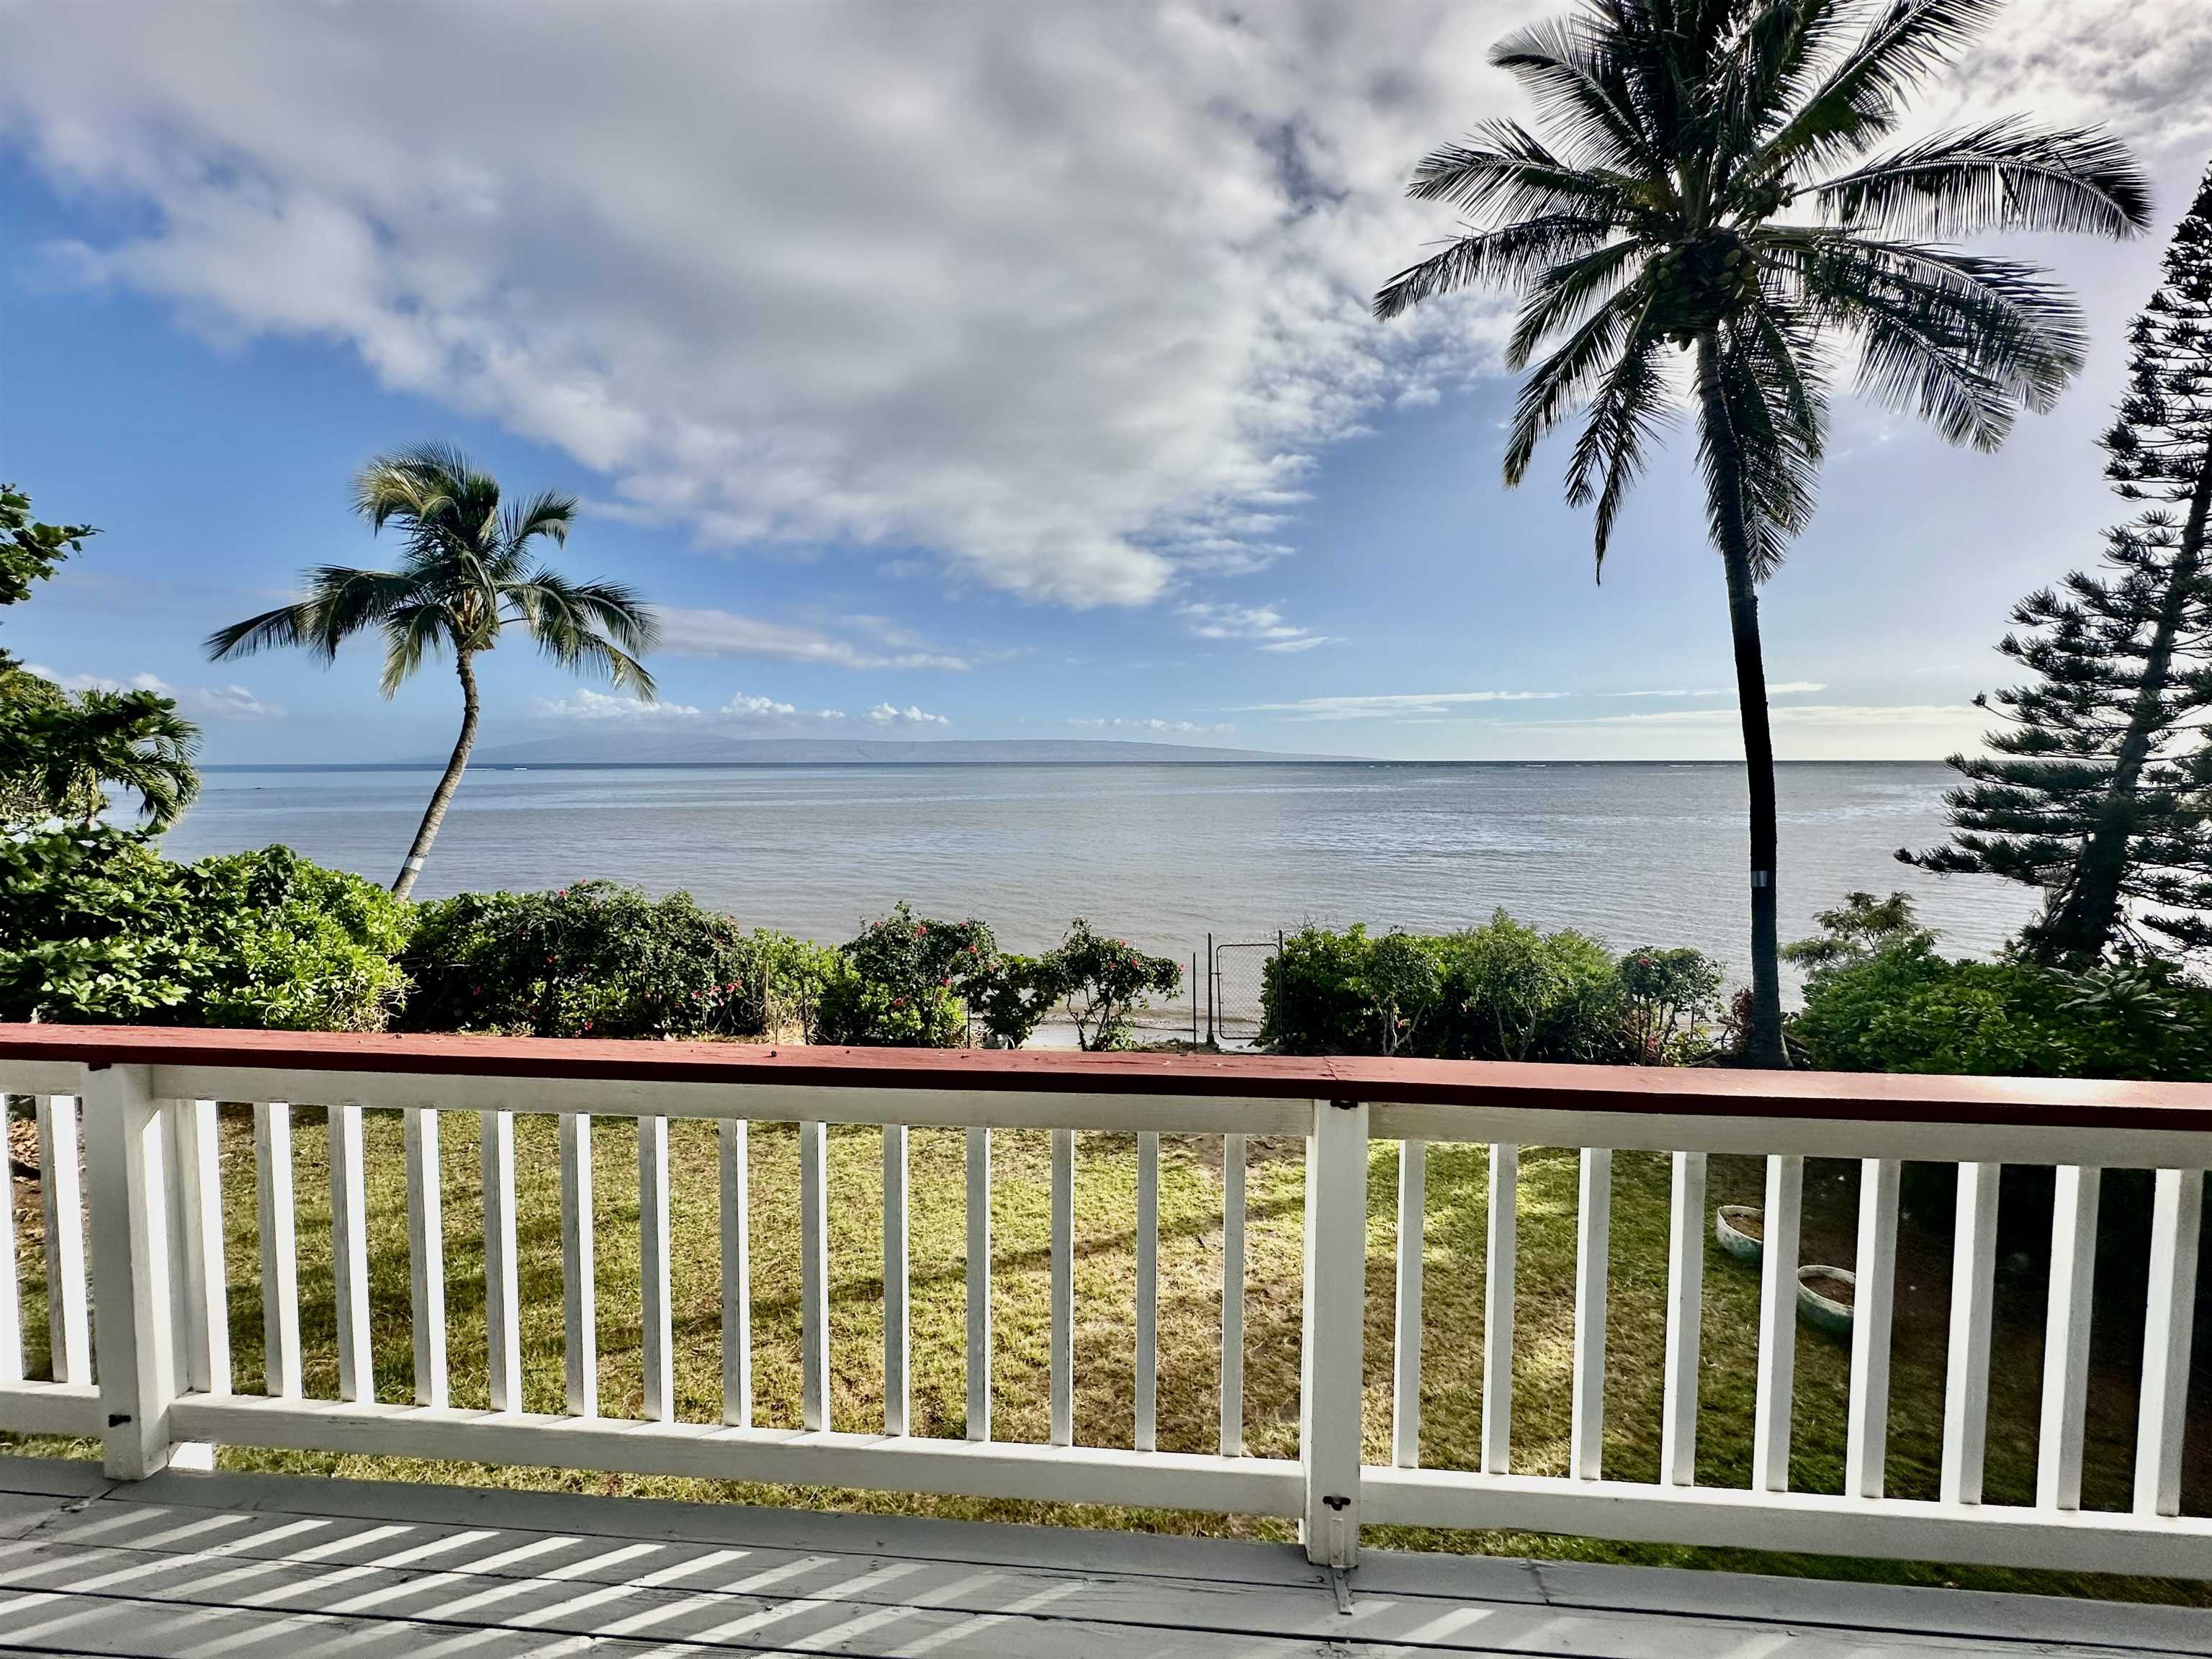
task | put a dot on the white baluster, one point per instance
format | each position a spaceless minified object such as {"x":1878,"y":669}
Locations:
{"x":1406,"y":1369}
{"x":898,"y":1393}
{"x":130,"y":1253}
{"x":814,"y":1276}
{"x":1333,"y":1352}
{"x":1148,"y":1289}
{"x":62,"y":1192}
{"x":349,"y":1255}
{"x":203,"y":1311}
{"x":1973,"y":1296}
{"x":580,"y":1282}
{"x":1778,"y":1324}
{"x":2177,"y":1219}
{"x":2066,"y":1336}
{"x":11,"y":1307}
{"x":1233,"y":1296}
{"x":979,"y":1284}
{"x":658,"y":1333}
{"x":1503,"y":1230}
{"x":1686,"y":1314}
{"x":1866,"y":1445}
{"x":502,"y":1306}
{"x":1593,"y":1247}
{"x":426,"y":1252}
{"x":733,"y":1158}
{"x":280,"y":1270}
{"x":1063,"y":1287}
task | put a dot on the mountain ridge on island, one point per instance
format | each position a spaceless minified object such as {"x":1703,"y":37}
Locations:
{"x":696,"y":748}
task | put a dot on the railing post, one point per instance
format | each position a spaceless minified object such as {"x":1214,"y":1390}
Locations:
{"x":137,"y":1352}
{"x":1334,"y":1353}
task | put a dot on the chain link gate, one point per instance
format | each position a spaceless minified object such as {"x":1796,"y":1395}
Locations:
{"x":1235,"y":977}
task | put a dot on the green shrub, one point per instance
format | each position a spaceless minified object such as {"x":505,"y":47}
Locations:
{"x":1906,"y":1008}
{"x":600,"y":960}
{"x":1500,"y":991}
{"x":906,"y":982}
{"x":294,"y":947}
{"x":1103,"y":981}
{"x":98,"y":927}
{"x":1011,"y":1002}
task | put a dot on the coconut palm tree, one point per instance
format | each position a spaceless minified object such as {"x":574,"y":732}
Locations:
{"x":470,"y":569}
{"x":1701,"y":222}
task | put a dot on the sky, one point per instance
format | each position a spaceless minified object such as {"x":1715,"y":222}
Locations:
{"x":947,"y":370}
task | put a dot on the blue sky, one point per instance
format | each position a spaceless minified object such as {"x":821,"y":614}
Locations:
{"x":943,"y":372}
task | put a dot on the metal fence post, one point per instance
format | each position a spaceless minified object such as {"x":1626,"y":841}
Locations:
{"x":134,"y":1352}
{"x":1211,"y":969}
{"x":1329,"y":1393}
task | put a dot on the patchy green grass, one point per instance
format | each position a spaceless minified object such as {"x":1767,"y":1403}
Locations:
{"x":1189,"y":1322}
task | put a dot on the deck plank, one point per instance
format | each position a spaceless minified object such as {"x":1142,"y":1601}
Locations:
{"x":265,"y":1564}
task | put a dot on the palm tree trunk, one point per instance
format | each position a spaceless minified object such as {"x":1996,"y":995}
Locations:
{"x":442,"y":796}
{"x":1762,"y":1037}
{"x":2081,"y":920}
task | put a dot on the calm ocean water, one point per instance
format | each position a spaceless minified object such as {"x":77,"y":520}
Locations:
{"x":1635,"y":854}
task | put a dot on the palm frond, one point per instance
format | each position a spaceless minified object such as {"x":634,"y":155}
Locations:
{"x":547,"y":599}
{"x":548,"y":513}
{"x":2005,"y":175}
{"x":1561,"y":380}
{"x":1566,"y":293}
{"x":1510,"y":253}
{"x":1856,"y":103}
{"x":1573,"y":75}
{"x":1505,"y":169}
{"x":410,"y":635}
{"x":1626,"y":415}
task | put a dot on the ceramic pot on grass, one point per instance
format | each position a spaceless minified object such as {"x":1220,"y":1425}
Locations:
{"x":1825,"y":1298}
{"x":1739,"y":1229}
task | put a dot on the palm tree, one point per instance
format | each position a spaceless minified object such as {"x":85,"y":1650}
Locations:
{"x":57,"y":752}
{"x":1699,"y":208}
{"x":470,"y":569}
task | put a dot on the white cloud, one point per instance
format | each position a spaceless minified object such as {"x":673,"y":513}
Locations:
{"x":1394,"y":705}
{"x":198,"y":703}
{"x":1803,"y":714}
{"x":1067,"y":296}
{"x":1181,"y":728}
{"x":725,"y":633}
{"x":885,"y":714}
{"x":589,"y":704}
{"x":1262,"y":624}
{"x":742,"y":710}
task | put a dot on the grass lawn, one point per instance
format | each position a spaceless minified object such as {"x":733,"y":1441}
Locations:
{"x":1189,"y":1322}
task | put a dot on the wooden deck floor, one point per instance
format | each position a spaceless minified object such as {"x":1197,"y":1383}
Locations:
{"x":215,"y":1565}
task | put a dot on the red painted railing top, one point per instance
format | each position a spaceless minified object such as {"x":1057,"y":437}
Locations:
{"x":1704,"y":1091}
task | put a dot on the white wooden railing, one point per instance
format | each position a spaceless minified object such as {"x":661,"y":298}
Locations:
{"x":146,"y":1101}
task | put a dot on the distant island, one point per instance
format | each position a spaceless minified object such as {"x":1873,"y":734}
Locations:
{"x":701,"y":749}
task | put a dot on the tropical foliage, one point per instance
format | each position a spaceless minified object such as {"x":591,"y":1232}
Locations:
{"x":906,"y":982}
{"x":470,"y":568}
{"x":600,"y":960}
{"x":1907,"y":1009}
{"x":1102,"y":981}
{"x":60,"y":750}
{"x":1500,"y":991}
{"x":2098,"y":789}
{"x":100,"y":927}
{"x":1702,"y":197}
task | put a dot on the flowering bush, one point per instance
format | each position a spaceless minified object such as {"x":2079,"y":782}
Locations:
{"x":596,"y":959}
{"x":906,"y":981}
{"x":1103,"y":981}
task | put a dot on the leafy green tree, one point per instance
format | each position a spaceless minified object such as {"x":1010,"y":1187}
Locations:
{"x":58,"y":751}
{"x":1103,"y":981}
{"x":1669,"y":994}
{"x":2098,"y":789}
{"x":1861,"y":926}
{"x":1698,"y":201}
{"x":908,"y":983}
{"x":470,"y":568}
{"x":1402,"y":982}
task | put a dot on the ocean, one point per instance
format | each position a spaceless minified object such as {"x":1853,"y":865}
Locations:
{"x":1164,"y":855}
